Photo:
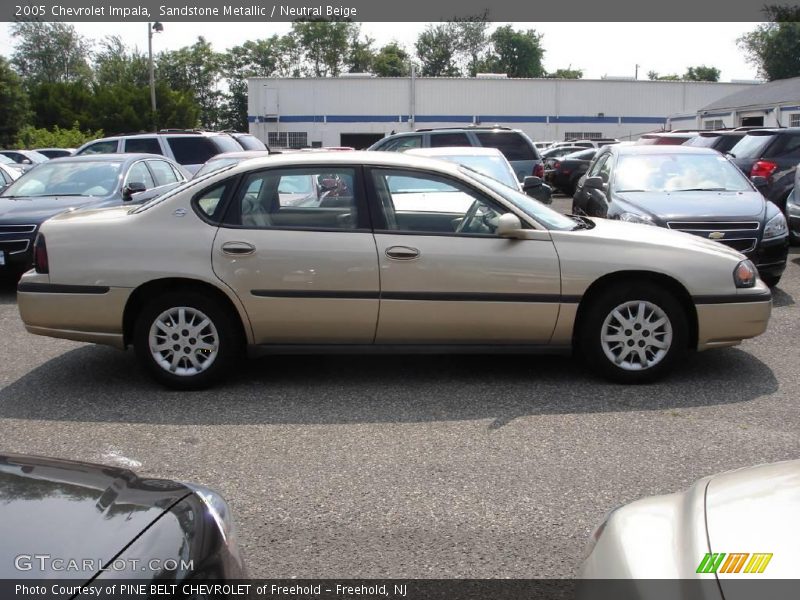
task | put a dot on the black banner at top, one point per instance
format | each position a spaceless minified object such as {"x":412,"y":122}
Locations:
{"x":389,"y":11}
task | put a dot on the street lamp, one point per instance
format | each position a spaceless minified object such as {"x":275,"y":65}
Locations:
{"x":151,"y":29}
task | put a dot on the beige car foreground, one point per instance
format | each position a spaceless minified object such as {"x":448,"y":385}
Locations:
{"x":379,"y":251}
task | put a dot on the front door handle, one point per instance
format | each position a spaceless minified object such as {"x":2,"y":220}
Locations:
{"x":238,"y":248}
{"x":402,"y":253}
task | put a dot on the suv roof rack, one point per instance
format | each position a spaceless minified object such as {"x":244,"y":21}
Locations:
{"x":470,"y":126}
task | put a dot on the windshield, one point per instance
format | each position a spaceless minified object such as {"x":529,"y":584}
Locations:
{"x":495,"y":167}
{"x":216,"y":164}
{"x":533,"y":208}
{"x":84,"y":178}
{"x":751,"y":146}
{"x":678,"y":172}
{"x":36,"y":157}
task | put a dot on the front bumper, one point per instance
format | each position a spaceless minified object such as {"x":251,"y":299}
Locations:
{"x":770,"y":256}
{"x":726,"y":321}
{"x":75,"y":312}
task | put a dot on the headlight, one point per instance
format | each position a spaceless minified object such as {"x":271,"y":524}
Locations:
{"x":776,"y":227}
{"x":218,"y":509}
{"x":636,"y":218}
{"x":745,"y":274}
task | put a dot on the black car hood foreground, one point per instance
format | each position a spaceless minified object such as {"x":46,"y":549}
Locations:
{"x":680,"y":205}
{"x":70,"y":510}
{"x":39,"y":209}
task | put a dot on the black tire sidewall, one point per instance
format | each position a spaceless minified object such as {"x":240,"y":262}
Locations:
{"x":230,"y":343}
{"x":592,"y":322}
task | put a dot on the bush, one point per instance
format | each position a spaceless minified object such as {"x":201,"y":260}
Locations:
{"x":31,"y":137}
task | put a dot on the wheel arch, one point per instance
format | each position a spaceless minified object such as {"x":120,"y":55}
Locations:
{"x":627,"y":277}
{"x":147,"y":291}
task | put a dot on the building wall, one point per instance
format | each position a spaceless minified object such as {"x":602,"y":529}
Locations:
{"x":320,"y":110}
{"x":782,"y":115}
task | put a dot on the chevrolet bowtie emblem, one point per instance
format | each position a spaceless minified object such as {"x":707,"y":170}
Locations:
{"x":716,"y":235}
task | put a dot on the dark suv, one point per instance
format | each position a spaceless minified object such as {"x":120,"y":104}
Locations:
{"x":721,"y":141}
{"x":513,"y":143}
{"x":772,"y":154}
{"x":189,"y":148}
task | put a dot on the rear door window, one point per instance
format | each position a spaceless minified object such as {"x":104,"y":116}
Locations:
{"x":140,"y":174}
{"x":106,"y":147}
{"x":162,"y":172}
{"x":787,"y":146}
{"x":511,"y":144}
{"x":192,"y":150}
{"x":143,"y":145}
{"x":443,"y":140}
{"x":403,"y":143}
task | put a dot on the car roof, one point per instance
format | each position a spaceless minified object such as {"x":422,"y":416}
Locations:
{"x":241,"y":154}
{"x":455,"y":151}
{"x":656,"y":149}
{"x":112,"y":157}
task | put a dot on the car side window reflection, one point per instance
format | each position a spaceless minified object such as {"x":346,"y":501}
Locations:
{"x":426,"y":203}
{"x":139,"y":173}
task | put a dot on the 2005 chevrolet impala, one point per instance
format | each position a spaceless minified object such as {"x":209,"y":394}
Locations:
{"x":374,"y":251}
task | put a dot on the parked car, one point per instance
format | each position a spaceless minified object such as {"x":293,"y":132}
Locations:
{"x":772,"y":154}
{"x":189,"y":148}
{"x":565,"y":172}
{"x":721,"y":141}
{"x":491,"y":163}
{"x":722,"y":530}
{"x":793,"y":209}
{"x":594,"y":143}
{"x":540,"y":145}
{"x":64,"y":184}
{"x":8,"y":175}
{"x":55,"y":152}
{"x":55,"y":511}
{"x":26,"y":159}
{"x":515,"y":145}
{"x":229,"y":261}
{"x":695,"y":190}
{"x":559,"y":151}
{"x":665,"y":138}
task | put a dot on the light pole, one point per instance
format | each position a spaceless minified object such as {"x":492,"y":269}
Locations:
{"x":151,"y":29}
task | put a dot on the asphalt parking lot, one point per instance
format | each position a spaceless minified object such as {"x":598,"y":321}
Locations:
{"x":412,"y":466}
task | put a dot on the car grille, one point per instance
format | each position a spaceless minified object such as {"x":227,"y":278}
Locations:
{"x":14,"y":246}
{"x":17,"y":229}
{"x":739,"y":235}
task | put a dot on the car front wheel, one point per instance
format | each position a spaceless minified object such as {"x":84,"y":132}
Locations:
{"x":633,"y":334}
{"x":186,"y":342}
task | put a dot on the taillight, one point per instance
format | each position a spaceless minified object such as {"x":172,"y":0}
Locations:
{"x":538,"y":170}
{"x":556,"y":164}
{"x":40,"y":255}
{"x":763,"y":168}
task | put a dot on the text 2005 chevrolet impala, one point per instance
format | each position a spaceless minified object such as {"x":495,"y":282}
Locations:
{"x":358,"y":251}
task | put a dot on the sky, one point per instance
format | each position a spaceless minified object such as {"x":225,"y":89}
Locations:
{"x":599,"y":49}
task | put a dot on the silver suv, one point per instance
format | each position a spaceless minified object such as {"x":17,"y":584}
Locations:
{"x":190,"y":149}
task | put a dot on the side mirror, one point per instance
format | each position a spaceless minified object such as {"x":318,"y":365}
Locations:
{"x":133,"y":187}
{"x":26,"y":161}
{"x":760,"y":182}
{"x":509,"y":226}
{"x":531,"y":182}
{"x":594,"y":183}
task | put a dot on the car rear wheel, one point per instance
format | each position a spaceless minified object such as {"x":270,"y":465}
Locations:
{"x":633,"y":334}
{"x":187,"y":342}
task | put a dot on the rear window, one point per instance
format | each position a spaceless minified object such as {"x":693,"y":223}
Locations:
{"x":702,"y":141}
{"x":227,"y":143}
{"x":582,"y":154}
{"x":192,"y":150}
{"x":510,"y":143}
{"x":250,"y":142}
{"x":751,"y":146}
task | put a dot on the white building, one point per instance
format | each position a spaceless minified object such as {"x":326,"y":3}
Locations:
{"x":357,"y":111}
{"x":773,"y":104}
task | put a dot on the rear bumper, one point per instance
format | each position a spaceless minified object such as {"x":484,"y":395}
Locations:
{"x":726,"y":322}
{"x":74,"y":312}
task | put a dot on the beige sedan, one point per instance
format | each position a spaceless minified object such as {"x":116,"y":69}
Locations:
{"x":231,"y":260}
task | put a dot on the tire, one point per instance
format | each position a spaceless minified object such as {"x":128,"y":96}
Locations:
{"x":771,"y":280}
{"x":203,"y":357}
{"x":597,"y":333}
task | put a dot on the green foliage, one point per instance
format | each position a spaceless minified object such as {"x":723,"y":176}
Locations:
{"x":32,"y":137}
{"x":391,"y":61}
{"x":437,"y":48}
{"x":654,"y":76}
{"x":774,"y":47}
{"x":13,"y":103}
{"x":50,"y":53}
{"x":568,"y":73}
{"x":323,"y":45}
{"x":516,"y":53}
{"x":115,"y":63}
{"x":702,"y":73}
{"x":472,"y":41}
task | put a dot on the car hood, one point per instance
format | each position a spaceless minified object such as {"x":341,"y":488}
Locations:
{"x":25,"y":209}
{"x":754,"y":510}
{"x":706,"y":205}
{"x":71,"y":510}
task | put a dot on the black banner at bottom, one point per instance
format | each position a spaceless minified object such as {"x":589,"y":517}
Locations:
{"x":405,"y":589}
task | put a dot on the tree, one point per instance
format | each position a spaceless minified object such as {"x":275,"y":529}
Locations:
{"x":654,"y":76}
{"x":774,"y":47}
{"x":516,"y":53}
{"x":437,"y":47}
{"x":323,"y":45}
{"x":115,"y":63}
{"x":254,"y":58}
{"x":472,"y":41}
{"x":31,"y":137}
{"x":361,"y":56}
{"x":568,"y":73}
{"x":50,"y":53}
{"x":702,"y":73}
{"x":13,"y":103}
{"x":391,"y":61}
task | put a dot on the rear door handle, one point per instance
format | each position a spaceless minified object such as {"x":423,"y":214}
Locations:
{"x":402,"y":253}
{"x":238,"y":248}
